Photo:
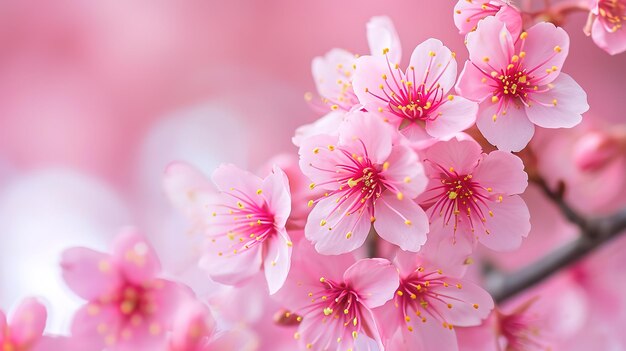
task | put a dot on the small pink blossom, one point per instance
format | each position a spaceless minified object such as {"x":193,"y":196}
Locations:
{"x":429,"y":303}
{"x":128,"y":307}
{"x":335,"y":296}
{"x":23,"y":331}
{"x":246,"y":227}
{"x":416,"y":100}
{"x":467,"y":14}
{"x":473,"y":196}
{"x":518,"y":82}
{"x":369,"y":178}
{"x":333,"y":73}
{"x":606,"y":25}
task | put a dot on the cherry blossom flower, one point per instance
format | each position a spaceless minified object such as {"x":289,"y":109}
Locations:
{"x":333,"y":73}
{"x":518,"y":82}
{"x":128,"y":307}
{"x":415,"y":100}
{"x":334,"y":297}
{"x":467,"y":14}
{"x":246,"y":227}
{"x":605,"y":25}
{"x":430,"y":302}
{"x":472,"y":196}
{"x":23,"y":331}
{"x":369,"y":179}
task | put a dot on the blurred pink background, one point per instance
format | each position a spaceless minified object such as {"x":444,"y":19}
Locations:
{"x":97,"y":97}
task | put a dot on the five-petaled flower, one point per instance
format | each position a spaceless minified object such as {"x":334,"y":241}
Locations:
{"x":606,"y":25}
{"x":370,"y":178}
{"x":518,"y":82}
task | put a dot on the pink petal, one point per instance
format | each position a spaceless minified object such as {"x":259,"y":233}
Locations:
{"x":503,"y":172}
{"x":275,"y":190}
{"x":374,"y":279}
{"x":432,"y":70}
{"x":240,"y":340}
{"x":612,"y":42}
{"x":541,"y":53}
{"x":135,"y":256}
{"x":337,"y":239}
{"x":227,"y":267}
{"x":277,"y":260}
{"x":454,"y":116}
{"x":367,"y":80}
{"x":470,"y":303}
{"x":510,"y":132}
{"x":168,"y":296}
{"x":443,"y":252}
{"x":510,"y":16}
{"x":28,"y":322}
{"x":327,"y":124}
{"x":97,"y":325}
{"x":381,"y":34}
{"x":401,"y":222}
{"x":228,"y":176}
{"x":426,"y":336}
{"x":473,"y":84}
{"x":462,"y":155}
{"x":509,"y":224}
{"x":405,"y":171}
{"x":366,"y":134}
{"x":330,"y":80}
{"x":571,"y":103}
{"x":89,"y":274}
{"x":491,"y":40}
{"x":316,"y":159}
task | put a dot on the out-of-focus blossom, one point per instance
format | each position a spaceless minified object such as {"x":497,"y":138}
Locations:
{"x":24,"y":330}
{"x":467,"y":14}
{"x":246,"y":227}
{"x":415,"y":100}
{"x":605,"y":25}
{"x":333,"y":73}
{"x":335,"y":296}
{"x":370,"y":178}
{"x":429,"y":303}
{"x":518,"y":82}
{"x":128,"y":307}
{"x":473,"y":197}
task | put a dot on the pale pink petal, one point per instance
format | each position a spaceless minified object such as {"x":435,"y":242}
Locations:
{"x":612,"y":42}
{"x":226,"y":266}
{"x":444,"y":252}
{"x":546,"y":47}
{"x":366,"y":134}
{"x":374,"y":279}
{"x":332,"y":74}
{"x":135,"y":256}
{"x":277,"y":260}
{"x":401,"y":222}
{"x":239,"y":339}
{"x":510,"y":132}
{"x":227,"y":177}
{"x":433,"y":64}
{"x":461,"y":155}
{"x":561,"y":106}
{"x":340,"y":233}
{"x":512,"y":18}
{"x":192,"y":324}
{"x":97,"y":325}
{"x":327,"y":124}
{"x":381,"y":35}
{"x":454,"y":116}
{"x":425,"y":336}
{"x":470,"y":303}
{"x":405,"y":171}
{"x":28,"y":322}
{"x":318,"y":159}
{"x":89,"y":274}
{"x":275,"y":189}
{"x":491,"y":45}
{"x":187,"y":188}
{"x":473,"y":84}
{"x":503,"y":172}
{"x":508,"y":225}
{"x":168,"y":297}
{"x":367,"y":80}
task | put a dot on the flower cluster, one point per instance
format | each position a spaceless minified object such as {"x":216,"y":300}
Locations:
{"x":366,"y":239}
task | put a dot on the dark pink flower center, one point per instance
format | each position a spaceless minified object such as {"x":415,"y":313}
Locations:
{"x":249,"y":223}
{"x":407,"y":98}
{"x":612,"y":13}
{"x":520,"y":330}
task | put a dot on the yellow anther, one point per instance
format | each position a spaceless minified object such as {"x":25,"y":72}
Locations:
{"x":557,"y":49}
{"x":400,"y":196}
{"x":494,"y":99}
{"x":452,"y":195}
{"x":450,"y":97}
{"x":385,"y":166}
{"x":323,"y":222}
{"x":523,"y":36}
{"x":310,"y":203}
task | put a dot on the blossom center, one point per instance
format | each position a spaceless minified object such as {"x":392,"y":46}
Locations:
{"x":613,"y":13}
